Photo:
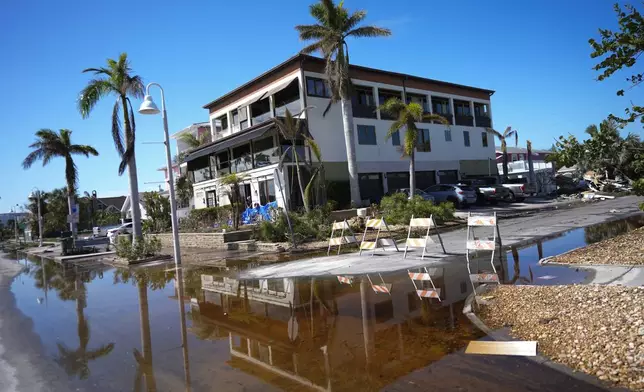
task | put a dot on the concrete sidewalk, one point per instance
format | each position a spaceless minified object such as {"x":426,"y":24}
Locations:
{"x":514,"y":232}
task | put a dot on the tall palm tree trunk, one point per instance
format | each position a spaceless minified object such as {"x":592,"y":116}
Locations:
{"x":70,"y":203}
{"x":307,"y":207}
{"x":134,"y":180}
{"x":412,"y":174}
{"x":349,"y":141}
{"x":531,"y":176}
{"x":146,"y":338}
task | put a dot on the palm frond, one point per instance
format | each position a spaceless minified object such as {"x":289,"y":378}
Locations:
{"x":392,"y":106}
{"x":515,"y":134}
{"x":354,"y":19}
{"x":117,"y":134}
{"x":315,"y":148}
{"x":495,"y":133}
{"x":314,"y":47}
{"x":91,"y":94}
{"x":32,"y":158}
{"x":415,"y":110}
{"x":435,"y":117}
{"x":369,"y":31}
{"x":309,"y":32}
{"x":98,"y":71}
{"x":190,"y":140}
{"x":83,"y":149}
{"x":411,"y":140}
{"x":396,"y":126}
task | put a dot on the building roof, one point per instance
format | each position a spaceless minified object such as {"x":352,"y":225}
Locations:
{"x":299,"y":58}
{"x":190,"y":128}
{"x":521,"y":150}
{"x":112,"y":201}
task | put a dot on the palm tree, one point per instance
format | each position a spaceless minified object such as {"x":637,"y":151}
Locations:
{"x":407,"y":116}
{"x":503,"y":137}
{"x":184,"y":189}
{"x":193,"y":141}
{"x":77,"y":361}
{"x":116,"y":80}
{"x":334,"y":26}
{"x":291,"y":130}
{"x":232,"y":181}
{"x":50,"y":144}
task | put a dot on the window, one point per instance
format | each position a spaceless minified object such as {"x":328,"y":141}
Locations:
{"x":317,"y":87}
{"x":363,"y":102}
{"x":266,"y":192}
{"x":265,"y":152}
{"x":211,"y":199}
{"x":222,"y":163}
{"x":395,"y":138}
{"x":423,"y":142}
{"x":448,"y":135}
{"x":384,"y":96}
{"x":276,"y":285}
{"x":235,"y":118}
{"x":484,"y":138}
{"x":419,"y":99}
{"x":462,"y":108}
{"x":441,"y":106}
{"x":367,"y":135}
{"x":466,"y":138}
{"x":221,"y":123}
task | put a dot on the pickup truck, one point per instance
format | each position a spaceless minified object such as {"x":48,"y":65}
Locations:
{"x":519,"y":189}
{"x":486,"y":192}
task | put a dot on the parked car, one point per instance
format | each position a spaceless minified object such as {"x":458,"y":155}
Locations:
{"x":487,"y":193}
{"x":460,"y":195}
{"x":519,"y":189}
{"x":418,"y":192}
{"x":101,"y":231}
{"x":112,"y":234}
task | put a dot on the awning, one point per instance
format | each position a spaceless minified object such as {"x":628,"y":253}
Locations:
{"x":232,"y":140}
{"x":277,"y":88}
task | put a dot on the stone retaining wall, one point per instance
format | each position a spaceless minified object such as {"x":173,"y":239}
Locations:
{"x":204,"y":240}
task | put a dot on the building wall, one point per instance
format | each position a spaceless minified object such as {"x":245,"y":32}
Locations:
{"x":385,"y":157}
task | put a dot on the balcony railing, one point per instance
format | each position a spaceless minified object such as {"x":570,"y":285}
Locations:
{"x":447,"y":115}
{"x":267,"y":157}
{"x":202,"y":175}
{"x":241,"y":164}
{"x":261,"y":118}
{"x":483,"y":121}
{"x":293,"y":107}
{"x":467,"y":121}
{"x":363,"y":111}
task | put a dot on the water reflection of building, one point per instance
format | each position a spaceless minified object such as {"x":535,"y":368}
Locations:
{"x":323,"y":335}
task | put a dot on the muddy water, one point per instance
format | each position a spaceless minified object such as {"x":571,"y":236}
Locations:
{"x":157,"y":328}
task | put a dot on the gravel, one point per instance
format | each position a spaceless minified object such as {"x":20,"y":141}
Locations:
{"x":598,"y":330}
{"x":625,"y":249}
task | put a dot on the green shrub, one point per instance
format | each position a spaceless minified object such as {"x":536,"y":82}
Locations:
{"x":206,"y":219}
{"x":397,"y":209}
{"x":638,"y":189}
{"x":144,"y":247}
{"x":316,"y":225}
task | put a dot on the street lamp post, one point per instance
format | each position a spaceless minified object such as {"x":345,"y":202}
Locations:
{"x":37,"y":196}
{"x":149,"y":107}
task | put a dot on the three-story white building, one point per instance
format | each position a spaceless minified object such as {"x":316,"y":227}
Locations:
{"x":245,"y":140}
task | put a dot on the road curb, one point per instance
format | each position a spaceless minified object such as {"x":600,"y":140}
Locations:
{"x":540,"y":359}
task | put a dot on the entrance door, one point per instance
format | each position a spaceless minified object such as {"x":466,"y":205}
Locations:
{"x":371,"y":187}
{"x":211,"y":199}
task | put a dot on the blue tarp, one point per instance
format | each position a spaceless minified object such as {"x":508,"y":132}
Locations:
{"x":251,"y":215}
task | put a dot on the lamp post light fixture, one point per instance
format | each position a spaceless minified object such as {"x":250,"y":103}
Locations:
{"x":35,"y":194}
{"x":149,"y":107}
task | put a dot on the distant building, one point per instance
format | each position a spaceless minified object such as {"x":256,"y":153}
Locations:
{"x":7,"y":216}
{"x":521,"y":154}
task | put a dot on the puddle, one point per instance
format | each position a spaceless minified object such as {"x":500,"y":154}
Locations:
{"x":155,"y":328}
{"x":528,"y":271}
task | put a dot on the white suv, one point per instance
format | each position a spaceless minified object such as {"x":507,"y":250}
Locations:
{"x":112,"y":234}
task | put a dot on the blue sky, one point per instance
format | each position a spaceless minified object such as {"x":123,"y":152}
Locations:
{"x":534,"y":54}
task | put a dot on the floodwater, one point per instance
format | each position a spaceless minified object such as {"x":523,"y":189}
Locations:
{"x":101,"y":328}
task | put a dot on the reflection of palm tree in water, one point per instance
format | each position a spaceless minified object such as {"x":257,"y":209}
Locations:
{"x":144,"y":367}
{"x":76,"y":362}
{"x":517,"y":269}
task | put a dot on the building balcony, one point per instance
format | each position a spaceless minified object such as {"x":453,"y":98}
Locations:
{"x":467,"y":121}
{"x":202,"y":175}
{"x":447,"y":116}
{"x":483,"y":121}
{"x":364,"y":111}
{"x":261,"y":118}
{"x":293,"y":107}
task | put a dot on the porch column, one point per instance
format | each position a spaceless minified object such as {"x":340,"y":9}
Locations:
{"x":472,"y":111}
{"x":451,"y":108}
{"x":376,"y":99}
